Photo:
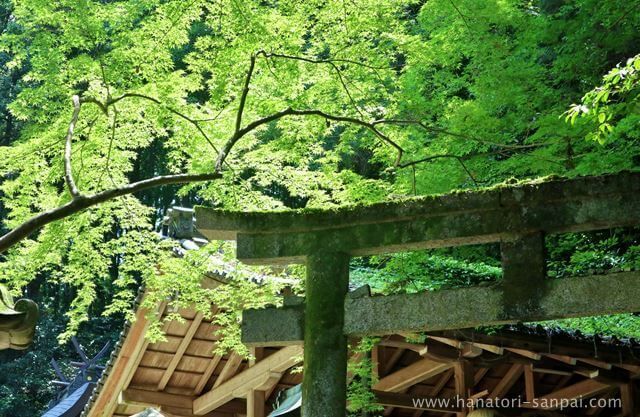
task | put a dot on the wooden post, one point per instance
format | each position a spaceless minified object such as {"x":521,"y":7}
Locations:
{"x":324,"y":386}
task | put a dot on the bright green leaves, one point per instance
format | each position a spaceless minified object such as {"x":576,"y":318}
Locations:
{"x":611,"y":102}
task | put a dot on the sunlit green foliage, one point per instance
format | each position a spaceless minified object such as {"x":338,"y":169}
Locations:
{"x":478,"y":91}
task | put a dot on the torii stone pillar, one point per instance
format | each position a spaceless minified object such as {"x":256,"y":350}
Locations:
{"x":324,"y":386}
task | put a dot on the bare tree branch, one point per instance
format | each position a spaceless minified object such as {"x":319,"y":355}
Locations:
{"x":68,"y":171}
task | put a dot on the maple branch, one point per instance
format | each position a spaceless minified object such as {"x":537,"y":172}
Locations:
{"x":82,"y":202}
{"x":329,"y":62}
{"x":245,"y":92}
{"x":68,"y":174}
{"x":224,"y":152}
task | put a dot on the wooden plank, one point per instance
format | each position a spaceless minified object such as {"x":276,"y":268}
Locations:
{"x":256,"y":404}
{"x":526,"y":353}
{"x":561,"y":358}
{"x":507,"y":381}
{"x":529,"y":383}
{"x":627,"y":399}
{"x":255,"y":377}
{"x":411,"y":375}
{"x":597,"y":363}
{"x":177,"y":357}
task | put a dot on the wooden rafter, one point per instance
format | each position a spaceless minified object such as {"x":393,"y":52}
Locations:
{"x":208,"y":372}
{"x":507,"y":381}
{"x":182,"y":348}
{"x":529,"y":383}
{"x":230,"y":368}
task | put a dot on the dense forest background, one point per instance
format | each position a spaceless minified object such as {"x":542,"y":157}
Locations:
{"x":482,"y":92}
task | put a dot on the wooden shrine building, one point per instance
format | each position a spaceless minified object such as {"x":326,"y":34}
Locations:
{"x":183,"y":378}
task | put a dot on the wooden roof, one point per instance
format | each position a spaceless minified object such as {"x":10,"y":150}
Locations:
{"x":182,"y":377}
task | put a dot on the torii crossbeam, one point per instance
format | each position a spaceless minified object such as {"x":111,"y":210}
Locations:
{"x":518,"y":216}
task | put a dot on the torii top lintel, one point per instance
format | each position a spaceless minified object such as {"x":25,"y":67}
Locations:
{"x":469,"y":217}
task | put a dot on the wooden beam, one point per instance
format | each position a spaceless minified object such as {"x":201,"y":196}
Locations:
{"x":255,"y":377}
{"x":411,"y":375}
{"x":526,"y":353}
{"x":467,"y":349}
{"x":551,"y":371}
{"x":256,"y":399}
{"x":561,"y":358}
{"x":184,"y":344}
{"x":229,"y":370}
{"x":256,"y":403}
{"x":392,"y":361}
{"x":490,"y":348}
{"x":208,"y":371}
{"x":480,"y":373}
{"x":627,"y":399}
{"x":583,"y":389}
{"x":529,"y":383}
{"x":597,"y":363}
{"x":463,"y":378}
{"x":157,"y":399}
{"x":507,"y":381}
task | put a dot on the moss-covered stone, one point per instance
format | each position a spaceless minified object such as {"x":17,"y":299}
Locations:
{"x":324,"y":386}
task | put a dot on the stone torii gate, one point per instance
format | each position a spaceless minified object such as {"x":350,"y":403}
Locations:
{"x":518,"y":216}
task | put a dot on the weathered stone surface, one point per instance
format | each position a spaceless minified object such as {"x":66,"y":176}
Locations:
{"x":324,"y":383}
{"x":454,"y":219}
{"x":468,"y":307}
{"x":479,"y":306}
{"x":280,"y":326}
{"x":524,"y":270}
